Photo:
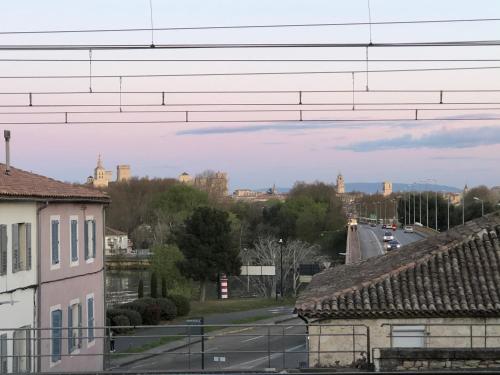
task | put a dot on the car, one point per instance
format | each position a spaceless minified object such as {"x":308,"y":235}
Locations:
{"x":392,"y":245}
{"x":388,"y":236}
{"x":394,"y":227}
{"x":384,"y":226}
{"x":373,"y":224}
{"x":408,"y":229}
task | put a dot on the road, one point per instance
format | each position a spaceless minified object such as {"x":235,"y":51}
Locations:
{"x":140,"y":336}
{"x":371,"y":239}
{"x":236,"y":348}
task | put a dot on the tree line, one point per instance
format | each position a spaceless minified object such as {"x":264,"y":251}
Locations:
{"x":196,"y":237}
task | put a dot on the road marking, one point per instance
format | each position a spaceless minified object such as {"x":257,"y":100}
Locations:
{"x":290,"y":327}
{"x":377,"y":241}
{"x":211,"y":349}
{"x":252,"y":338}
{"x":254,"y":362}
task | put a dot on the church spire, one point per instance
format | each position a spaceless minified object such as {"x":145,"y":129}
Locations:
{"x":99,"y":162}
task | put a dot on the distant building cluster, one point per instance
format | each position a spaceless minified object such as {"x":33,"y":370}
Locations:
{"x":386,"y":188}
{"x":258,"y":196}
{"x":214,"y":183}
{"x":102,"y":177}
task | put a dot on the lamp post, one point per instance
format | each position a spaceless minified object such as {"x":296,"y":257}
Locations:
{"x":281,"y":267}
{"x":482,"y":204}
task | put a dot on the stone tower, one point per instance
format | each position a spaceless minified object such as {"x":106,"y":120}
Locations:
{"x":122,"y":173}
{"x":340,"y":184}
{"x":386,"y":188}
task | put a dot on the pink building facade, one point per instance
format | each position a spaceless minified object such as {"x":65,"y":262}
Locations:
{"x":71,"y":290}
{"x":52,"y":268}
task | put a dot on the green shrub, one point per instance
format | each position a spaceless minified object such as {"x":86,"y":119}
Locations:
{"x":120,"y":320}
{"x":133,"y":316}
{"x":181,"y":303}
{"x":137,"y":305}
{"x":168,"y":310}
{"x":154,"y":285}
{"x":148,"y":301}
{"x":163,"y":286}
{"x":140,"y":291}
{"x":152,"y":315}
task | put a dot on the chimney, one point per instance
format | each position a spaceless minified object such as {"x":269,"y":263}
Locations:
{"x":6,"y":135}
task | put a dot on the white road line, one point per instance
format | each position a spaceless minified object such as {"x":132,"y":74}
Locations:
{"x":252,"y":338}
{"x":290,"y":327}
{"x":211,"y":349}
{"x":377,"y":241}
{"x":255,"y":362}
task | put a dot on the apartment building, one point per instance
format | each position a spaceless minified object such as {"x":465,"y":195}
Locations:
{"x":51,"y":274}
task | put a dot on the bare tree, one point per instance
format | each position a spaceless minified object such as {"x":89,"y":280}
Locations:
{"x":267,"y":252}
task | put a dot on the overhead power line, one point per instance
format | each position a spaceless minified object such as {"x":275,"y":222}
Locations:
{"x":79,"y":47}
{"x":20,"y":59}
{"x":268,"y":26}
{"x":250,"y":73}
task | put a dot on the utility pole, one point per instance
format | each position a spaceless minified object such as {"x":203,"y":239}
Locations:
{"x":427,"y":212}
{"x":436,"y":210}
{"x":448,"y":211}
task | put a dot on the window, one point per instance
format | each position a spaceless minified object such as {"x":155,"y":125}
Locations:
{"x":3,"y":249}
{"x":56,"y":341}
{"x":21,"y":247}
{"x":408,"y":336}
{"x":74,"y":327}
{"x":55,"y":243}
{"x":3,"y":354}
{"x":73,"y":233}
{"x":90,"y":238}
{"x":21,"y":350}
{"x":90,"y":318}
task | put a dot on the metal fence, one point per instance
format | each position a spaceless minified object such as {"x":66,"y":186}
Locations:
{"x":192,"y":346}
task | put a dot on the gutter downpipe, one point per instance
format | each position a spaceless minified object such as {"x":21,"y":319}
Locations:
{"x":39,"y":284}
{"x":105,"y":358}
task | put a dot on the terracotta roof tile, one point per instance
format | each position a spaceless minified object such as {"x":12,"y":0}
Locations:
{"x":455,"y":273}
{"x":19,"y":184}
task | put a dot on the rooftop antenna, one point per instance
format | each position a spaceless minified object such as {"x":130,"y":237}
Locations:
{"x":6,"y":135}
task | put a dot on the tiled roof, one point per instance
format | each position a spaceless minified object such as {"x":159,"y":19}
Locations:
{"x":455,"y":273}
{"x":19,"y":184}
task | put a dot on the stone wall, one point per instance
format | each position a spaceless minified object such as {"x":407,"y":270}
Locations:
{"x":431,"y":359}
{"x":331,"y":342}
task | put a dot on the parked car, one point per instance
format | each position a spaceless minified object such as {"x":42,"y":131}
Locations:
{"x":408,"y":229}
{"x":388,"y":236}
{"x":394,"y":227}
{"x":373,"y":224}
{"x":384,"y":226}
{"x":392,"y":245}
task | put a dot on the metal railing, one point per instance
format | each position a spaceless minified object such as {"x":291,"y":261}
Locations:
{"x":435,"y":335}
{"x":187,"y":347}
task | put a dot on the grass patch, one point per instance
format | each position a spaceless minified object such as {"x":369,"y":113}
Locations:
{"x":153,"y":344}
{"x":235,"y":305}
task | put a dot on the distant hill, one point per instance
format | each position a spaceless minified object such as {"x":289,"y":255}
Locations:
{"x":373,"y":187}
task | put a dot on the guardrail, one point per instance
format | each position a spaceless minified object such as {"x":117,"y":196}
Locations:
{"x":189,"y":346}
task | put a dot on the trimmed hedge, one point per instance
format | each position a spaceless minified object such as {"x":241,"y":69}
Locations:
{"x":137,"y":305}
{"x":133,"y":316}
{"x":152,"y":315}
{"x":120,"y":320}
{"x":181,"y":303}
{"x":168,"y":310}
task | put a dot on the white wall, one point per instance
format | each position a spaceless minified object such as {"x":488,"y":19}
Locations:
{"x":20,"y":313}
{"x":12,"y":213}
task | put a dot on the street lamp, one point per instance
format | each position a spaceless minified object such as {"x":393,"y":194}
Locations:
{"x":281,"y":266}
{"x":482,"y":204}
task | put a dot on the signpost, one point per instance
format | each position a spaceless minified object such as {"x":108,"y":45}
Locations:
{"x":196,"y":328}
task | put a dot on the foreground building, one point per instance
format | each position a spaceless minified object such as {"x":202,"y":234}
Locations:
{"x":52,"y":274}
{"x":439,"y":296}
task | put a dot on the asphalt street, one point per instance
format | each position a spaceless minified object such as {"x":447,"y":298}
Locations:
{"x":371,"y":239}
{"x":142,"y":336}
{"x":236,"y":348}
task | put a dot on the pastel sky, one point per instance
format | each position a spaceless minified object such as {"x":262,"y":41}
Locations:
{"x":454,"y":150}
